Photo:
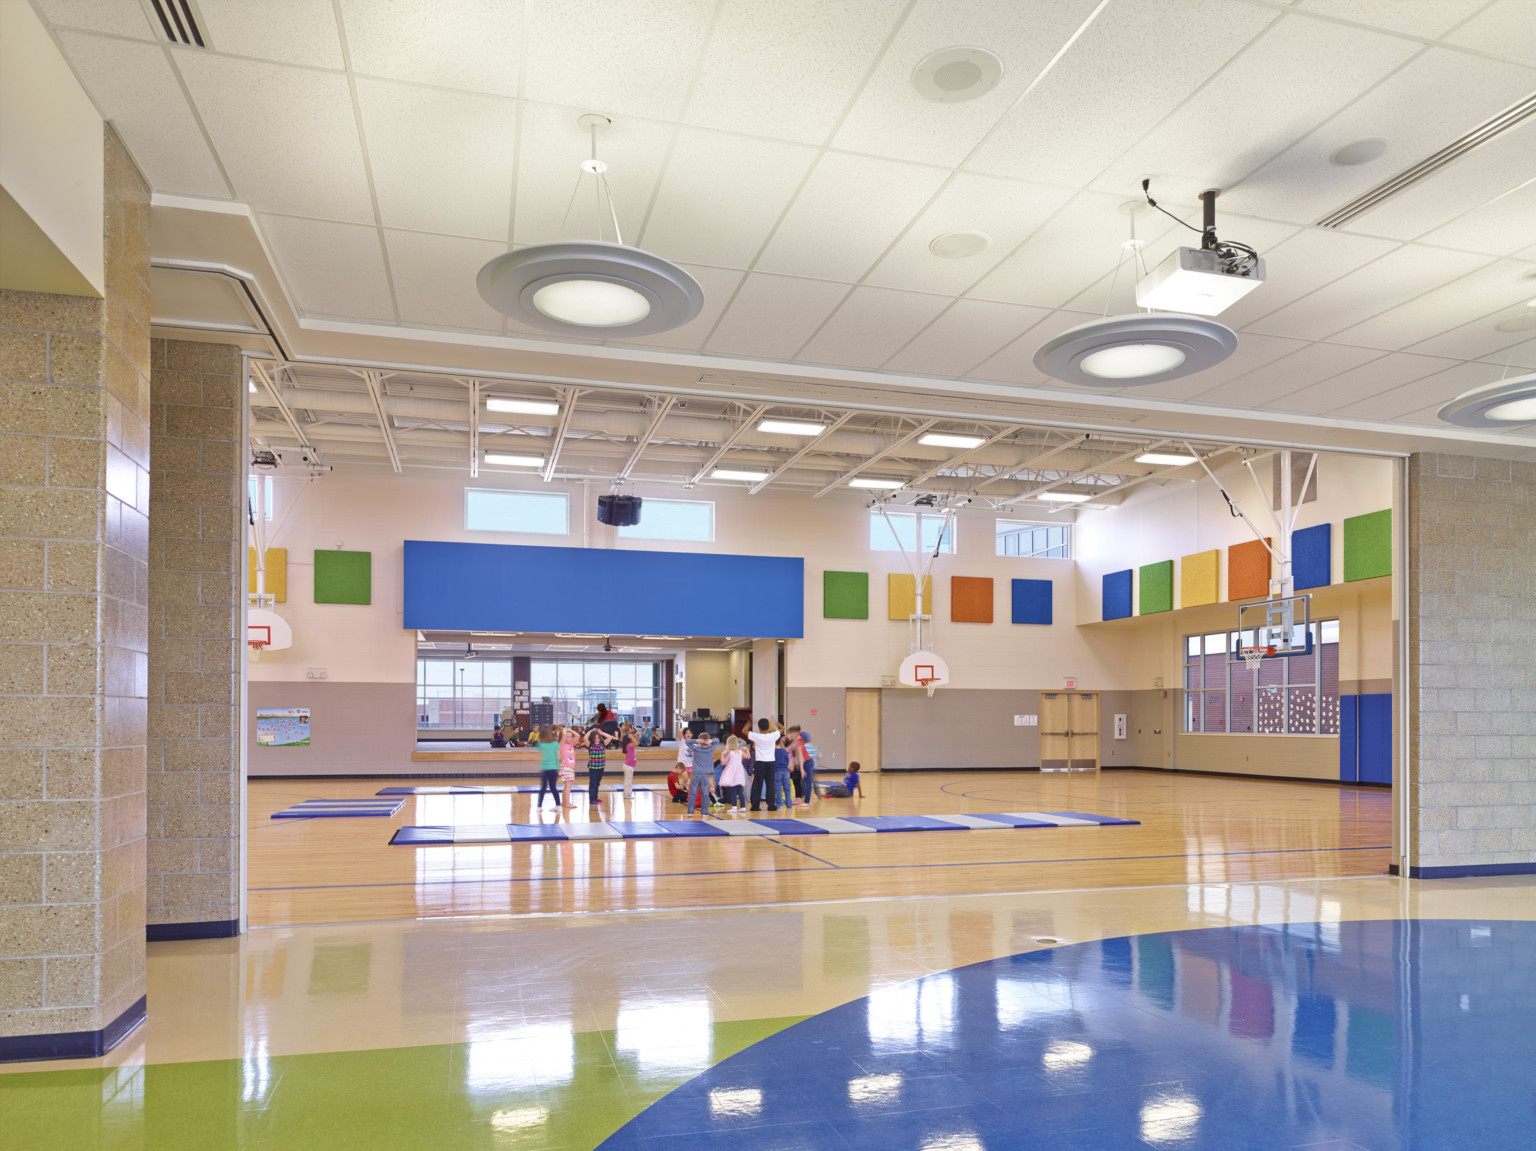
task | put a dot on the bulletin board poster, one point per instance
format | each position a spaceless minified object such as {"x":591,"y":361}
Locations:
{"x":282,"y":727}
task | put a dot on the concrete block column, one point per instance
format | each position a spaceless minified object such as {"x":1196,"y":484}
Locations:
{"x":74,"y":541}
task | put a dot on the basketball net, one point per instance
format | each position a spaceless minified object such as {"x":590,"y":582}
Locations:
{"x":256,"y":647}
{"x":930,"y":685}
{"x":1253,"y":656}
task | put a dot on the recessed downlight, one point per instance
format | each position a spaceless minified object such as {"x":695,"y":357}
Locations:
{"x":952,"y":75}
{"x":959,"y":245}
{"x":1361,"y":151}
{"x":951,"y":440}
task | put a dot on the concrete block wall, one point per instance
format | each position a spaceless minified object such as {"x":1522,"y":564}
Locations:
{"x":74,"y":540}
{"x":196,"y":554}
{"x":1471,"y":615}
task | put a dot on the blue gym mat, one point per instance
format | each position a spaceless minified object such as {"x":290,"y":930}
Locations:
{"x":723,"y":828}
{"x":504,"y":789}
{"x":334,"y":808}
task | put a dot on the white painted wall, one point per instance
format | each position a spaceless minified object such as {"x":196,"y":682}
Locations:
{"x":51,"y":146}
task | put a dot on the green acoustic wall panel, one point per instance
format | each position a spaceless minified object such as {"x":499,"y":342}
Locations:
{"x":343,"y":577}
{"x":1368,"y":545}
{"x":1157,"y":587}
{"x":845,"y":595}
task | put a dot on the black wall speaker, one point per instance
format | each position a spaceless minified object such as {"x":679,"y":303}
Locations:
{"x":620,"y":511}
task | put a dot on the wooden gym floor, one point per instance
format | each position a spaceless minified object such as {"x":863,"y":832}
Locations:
{"x":1194,"y":830}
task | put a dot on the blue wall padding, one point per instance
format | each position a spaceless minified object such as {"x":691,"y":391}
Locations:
{"x":1031,"y":601}
{"x":1117,"y":595}
{"x":509,"y":587}
{"x":1375,"y":726}
{"x":1312,"y":556}
{"x":1349,"y":740}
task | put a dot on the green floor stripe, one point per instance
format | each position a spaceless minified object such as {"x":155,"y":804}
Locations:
{"x":527,"y":1093}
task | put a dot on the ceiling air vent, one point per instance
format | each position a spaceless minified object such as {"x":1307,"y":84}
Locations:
{"x":179,"y":22}
{"x":1488,"y":130}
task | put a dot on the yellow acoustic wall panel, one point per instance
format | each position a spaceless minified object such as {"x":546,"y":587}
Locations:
{"x":902,"y":595}
{"x":277,"y":572}
{"x":1200,"y":578}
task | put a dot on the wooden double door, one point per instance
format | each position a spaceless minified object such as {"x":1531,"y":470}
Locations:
{"x":1069,"y":730}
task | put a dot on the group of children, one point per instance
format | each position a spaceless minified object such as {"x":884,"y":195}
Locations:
{"x":782,"y":771}
{"x":557,"y":760}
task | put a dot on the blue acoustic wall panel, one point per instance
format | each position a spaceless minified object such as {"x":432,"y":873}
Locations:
{"x":504,"y":587}
{"x":1349,"y":740}
{"x":1031,"y":601}
{"x":1117,"y":595}
{"x":1312,"y":556}
{"x":1375,"y":727}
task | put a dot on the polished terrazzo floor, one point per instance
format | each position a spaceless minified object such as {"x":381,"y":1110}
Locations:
{"x":1174,"y":1015}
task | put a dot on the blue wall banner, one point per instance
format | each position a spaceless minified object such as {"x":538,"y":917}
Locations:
{"x":599,"y":591}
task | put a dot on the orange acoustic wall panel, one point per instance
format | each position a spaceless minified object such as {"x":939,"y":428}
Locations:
{"x":1248,"y":570}
{"x":970,"y":599}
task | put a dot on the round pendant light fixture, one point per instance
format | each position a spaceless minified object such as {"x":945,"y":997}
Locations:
{"x":1135,"y":350}
{"x":591,"y":287}
{"x":1504,"y":404}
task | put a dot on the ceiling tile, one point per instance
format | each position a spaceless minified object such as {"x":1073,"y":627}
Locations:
{"x":849,"y":211}
{"x":288,"y":31}
{"x":1502,"y":226}
{"x":1492,"y":289}
{"x":1107,"y":92}
{"x":287,"y":136}
{"x":550,"y":206}
{"x":441,"y":161}
{"x":721,"y":196}
{"x":1079,"y":246}
{"x":1504,"y":29}
{"x":719,"y":285}
{"x":785,"y":69}
{"x":772,"y":316}
{"x":1430,"y":18}
{"x":468,"y":44}
{"x":1294,"y":76}
{"x":1426,"y":104}
{"x":1358,"y":385}
{"x":1396,"y":278}
{"x":1481,"y":338}
{"x":617,"y":57}
{"x":968,"y":333}
{"x":434,"y":278}
{"x":1014,"y":363}
{"x":1005,"y":210}
{"x":1299,"y":266}
{"x":120,"y":17}
{"x":1438,"y":389}
{"x":870,"y":326}
{"x":330,"y":269}
{"x":1302,"y":368}
{"x":891,"y":119}
{"x":134,"y":86}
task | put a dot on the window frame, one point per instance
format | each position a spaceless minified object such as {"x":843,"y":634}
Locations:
{"x":1020,"y":527}
{"x":1197,"y":648}
{"x":636,"y":532}
{"x":917,"y":516}
{"x":564,"y":497}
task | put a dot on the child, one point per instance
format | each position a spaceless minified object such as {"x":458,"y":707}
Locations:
{"x":850,"y":784}
{"x":498,"y":737}
{"x":597,"y":760}
{"x":782,"y":788}
{"x":631,"y":743}
{"x":567,"y":772}
{"x":549,"y":765}
{"x":733,"y":776}
{"x":677,"y":782}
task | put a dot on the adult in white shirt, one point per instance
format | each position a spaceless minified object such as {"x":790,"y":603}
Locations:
{"x":763,"y":741}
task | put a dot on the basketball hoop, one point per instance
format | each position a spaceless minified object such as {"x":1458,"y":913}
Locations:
{"x":928,"y":685}
{"x":1253,"y":656}
{"x":256,"y":646}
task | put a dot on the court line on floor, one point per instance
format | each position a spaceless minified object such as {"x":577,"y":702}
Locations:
{"x":793,"y":870}
{"x":807,"y":854}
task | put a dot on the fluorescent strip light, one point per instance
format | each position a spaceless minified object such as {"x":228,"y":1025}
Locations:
{"x":883,"y":485}
{"x":514,"y":461}
{"x":736,"y":474}
{"x":792,"y":427}
{"x":1063,"y":497}
{"x":949,"y":440}
{"x":1167,"y":459}
{"x":523,"y":407}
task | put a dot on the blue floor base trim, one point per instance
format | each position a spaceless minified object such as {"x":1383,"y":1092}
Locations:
{"x":507,"y":789}
{"x":340,"y":808}
{"x":721,"y":828}
{"x":73,"y":1044}
{"x":1471,"y":870}
{"x":1380,"y":1035}
{"x":211,"y":929}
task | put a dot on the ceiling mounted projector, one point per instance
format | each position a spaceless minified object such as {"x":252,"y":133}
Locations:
{"x":1203,"y":281}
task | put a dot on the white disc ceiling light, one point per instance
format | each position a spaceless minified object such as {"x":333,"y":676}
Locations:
{"x":952,"y":75}
{"x":1505,"y":404}
{"x":591,"y":287}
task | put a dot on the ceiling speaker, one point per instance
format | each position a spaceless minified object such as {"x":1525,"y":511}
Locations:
{"x":620,"y":511}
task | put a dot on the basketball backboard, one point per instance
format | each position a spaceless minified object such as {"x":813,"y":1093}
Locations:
{"x":924,"y":669}
{"x":1283,"y":625}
